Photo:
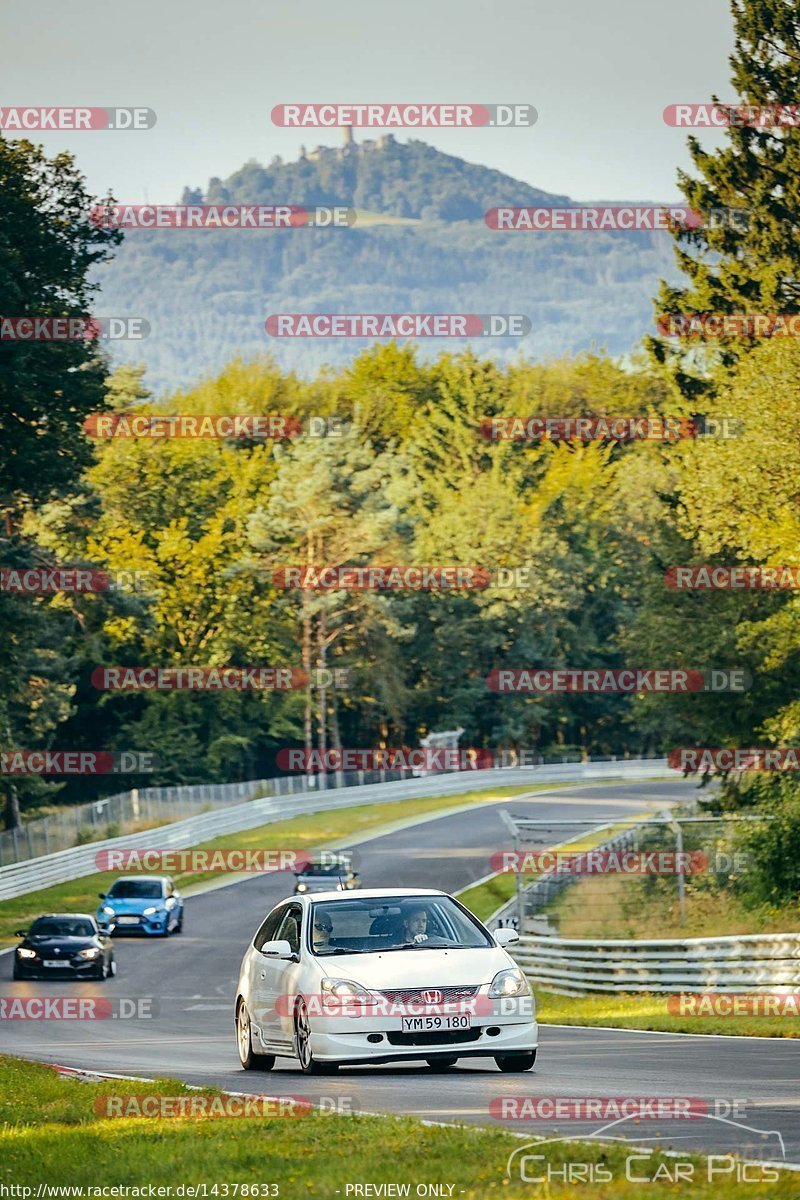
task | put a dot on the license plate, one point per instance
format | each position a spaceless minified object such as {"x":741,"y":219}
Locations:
{"x":434,"y":1024}
{"x":127,"y":920}
{"x":54,"y":962}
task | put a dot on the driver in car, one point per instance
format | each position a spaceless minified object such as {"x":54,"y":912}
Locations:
{"x":323,"y":928}
{"x":415,"y":925}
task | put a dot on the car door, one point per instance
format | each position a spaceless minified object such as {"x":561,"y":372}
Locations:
{"x":277,"y":979}
{"x":251,"y":983}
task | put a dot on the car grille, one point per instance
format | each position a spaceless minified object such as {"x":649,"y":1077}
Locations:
{"x":450,"y":1037}
{"x":414,"y":995}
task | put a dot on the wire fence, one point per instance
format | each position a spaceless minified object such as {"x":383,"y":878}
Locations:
{"x":661,"y":872}
{"x":142,"y":808}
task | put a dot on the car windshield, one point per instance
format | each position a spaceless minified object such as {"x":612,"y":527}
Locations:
{"x":61,"y":927}
{"x":362,"y":926}
{"x":135,"y":889}
{"x":325,"y":868}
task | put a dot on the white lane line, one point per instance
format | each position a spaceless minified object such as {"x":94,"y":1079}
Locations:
{"x":728,"y":1037}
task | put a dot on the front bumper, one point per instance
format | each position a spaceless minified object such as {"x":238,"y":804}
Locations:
{"x":153,"y":925}
{"x":25,"y":969}
{"x":496,"y":1027}
{"x":485,"y":1041}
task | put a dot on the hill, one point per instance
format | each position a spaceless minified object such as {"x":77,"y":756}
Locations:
{"x":207,"y":293}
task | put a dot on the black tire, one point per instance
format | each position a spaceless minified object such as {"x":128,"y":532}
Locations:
{"x":179,"y":927}
{"x":16,"y":973}
{"x":441,"y":1064}
{"x":244,"y":1041}
{"x":302,"y":1048}
{"x":516,"y":1062}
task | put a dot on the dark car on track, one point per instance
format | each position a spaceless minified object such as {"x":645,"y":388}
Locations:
{"x":60,"y":945}
{"x":325,"y":871}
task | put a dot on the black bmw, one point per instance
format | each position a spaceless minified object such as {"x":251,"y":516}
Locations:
{"x":60,"y":945}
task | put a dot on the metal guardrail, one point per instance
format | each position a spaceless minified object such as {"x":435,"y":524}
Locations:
{"x":125,"y":812}
{"x":746,"y":963}
{"x":76,"y":824}
{"x":18,"y":878}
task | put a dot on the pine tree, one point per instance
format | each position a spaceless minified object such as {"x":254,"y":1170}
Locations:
{"x":750,"y":263}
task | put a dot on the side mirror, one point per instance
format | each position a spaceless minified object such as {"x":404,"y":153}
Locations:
{"x":106,"y":929}
{"x":279,"y":949}
{"x":504,"y":937}
{"x":21,"y":933}
{"x":101,"y":895}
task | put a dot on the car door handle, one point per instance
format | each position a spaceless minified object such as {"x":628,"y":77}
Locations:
{"x":263,"y":974}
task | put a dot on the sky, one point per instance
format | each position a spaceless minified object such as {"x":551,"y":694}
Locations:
{"x":599,"y":75}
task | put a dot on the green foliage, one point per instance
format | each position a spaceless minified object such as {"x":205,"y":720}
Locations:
{"x":751,"y":265}
{"x":773,"y":846}
{"x":48,"y":246}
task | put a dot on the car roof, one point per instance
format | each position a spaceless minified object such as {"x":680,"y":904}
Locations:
{"x":66,"y":916}
{"x":372,"y":894}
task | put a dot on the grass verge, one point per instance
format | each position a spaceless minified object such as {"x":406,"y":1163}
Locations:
{"x":613,"y":906}
{"x":301,"y":832}
{"x":631,"y":1011}
{"x":50,"y":1134}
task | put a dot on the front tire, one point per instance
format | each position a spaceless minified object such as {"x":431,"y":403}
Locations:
{"x":302,"y":1045}
{"x":516,"y":1062}
{"x":244,"y":1041}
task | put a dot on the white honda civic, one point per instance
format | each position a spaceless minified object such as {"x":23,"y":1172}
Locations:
{"x":381,"y":976}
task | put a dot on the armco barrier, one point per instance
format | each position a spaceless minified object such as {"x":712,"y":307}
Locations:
{"x":747,"y":963}
{"x":48,"y":869}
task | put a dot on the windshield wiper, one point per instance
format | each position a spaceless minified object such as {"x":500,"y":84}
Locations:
{"x":340,"y":950}
{"x":409,"y":946}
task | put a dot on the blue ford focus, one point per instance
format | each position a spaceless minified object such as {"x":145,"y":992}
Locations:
{"x":148,"y":904}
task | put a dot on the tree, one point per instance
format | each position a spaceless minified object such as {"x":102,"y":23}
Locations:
{"x":48,"y":247}
{"x":750,"y":265}
{"x":329,"y":506}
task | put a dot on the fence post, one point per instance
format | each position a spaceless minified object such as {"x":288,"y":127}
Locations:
{"x":681,"y":876}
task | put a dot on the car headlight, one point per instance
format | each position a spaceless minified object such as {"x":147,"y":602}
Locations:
{"x":345,"y":989}
{"x":510,"y":982}
{"x":149,"y":912}
{"x":106,"y":911}
{"x":89,"y":952}
{"x":24,"y":953}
